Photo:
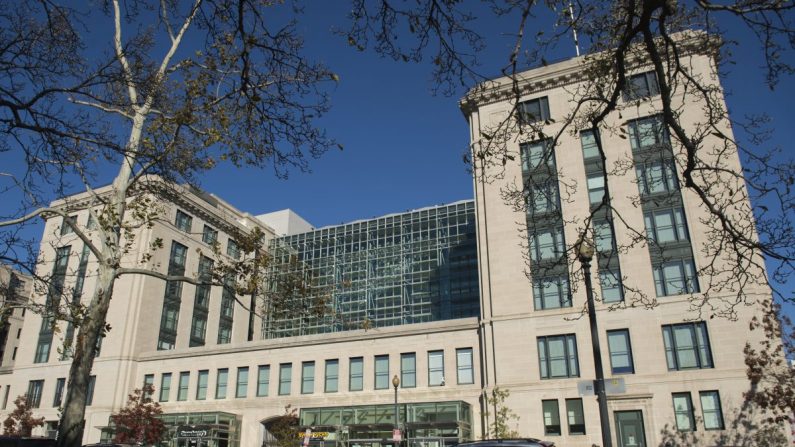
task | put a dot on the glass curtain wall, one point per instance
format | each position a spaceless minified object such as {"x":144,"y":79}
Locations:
{"x":405,"y":268}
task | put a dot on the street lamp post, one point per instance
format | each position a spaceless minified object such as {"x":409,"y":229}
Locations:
{"x":586,"y":252}
{"x":396,"y":384}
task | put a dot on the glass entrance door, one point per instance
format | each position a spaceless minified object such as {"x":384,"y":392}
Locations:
{"x":629,"y":428}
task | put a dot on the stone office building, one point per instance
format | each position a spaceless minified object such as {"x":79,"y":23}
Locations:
{"x":442,"y":298}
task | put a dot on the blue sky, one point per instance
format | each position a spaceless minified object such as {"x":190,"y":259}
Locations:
{"x":403,"y":146}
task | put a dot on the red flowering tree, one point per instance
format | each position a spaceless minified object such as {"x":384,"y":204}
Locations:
{"x":138,"y":422}
{"x":21,"y":421}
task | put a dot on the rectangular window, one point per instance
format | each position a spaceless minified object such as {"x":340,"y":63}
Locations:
{"x":92,"y":381}
{"x":668,"y":225}
{"x":596,"y":188}
{"x":642,"y":85}
{"x":242,"y":382}
{"x":173,"y":298}
{"x":227,"y":311}
{"x":92,"y":223}
{"x":5,"y":396}
{"x":551,"y":417}
{"x":710,"y":408}
{"x":588,"y":143}
{"x":675,"y":278}
{"x":551,"y":293}
{"x":197,"y":330}
{"x":307,"y":377}
{"x":687,"y":346}
{"x":285,"y":378}
{"x":536,"y":154}
{"x":534,"y":110}
{"x":263,"y":380}
{"x":656,"y":177}
{"x":209,"y":235}
{"x":381,"y":372}
{"x":356,"y":379}
{"x":332,"y":376}
{"x":557,"y":356}
{"x":610,"y":282}
{"x":201,"y":303}
{"x":54,"y":292}
{"x":232,"y":250}
{"x":620,"y":352}
{"x":42,"y":351}
{"x":575,"y":416}
{"x":224,"y":333}
{"x":165,"y":387}
{"x":683,"y":411}
{"x":65,"y":227}
{"x":604,"y":241}
{"x":408,"y":370}
{"x":61,"y":383}
{"x":184,"y":382}
{"x":149,"y":385}
{"x":201,"y":386}
{"x":464,"y":366}
{"x":646,"y":133}
{"x":543,"y":197}
{"x":183,"y":221}
{"x":546,"y":243}
{"x":221,"y":383}
{"x":435,"y":368}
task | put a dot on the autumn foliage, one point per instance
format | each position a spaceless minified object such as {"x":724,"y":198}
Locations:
{"x":138,"y":421}
{"x":21,"y":421}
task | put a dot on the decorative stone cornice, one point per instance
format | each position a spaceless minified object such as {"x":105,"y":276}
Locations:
{"x":569,"y":72}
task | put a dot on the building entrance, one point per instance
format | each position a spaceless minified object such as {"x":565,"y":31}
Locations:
{"x":629,"y":428}
{"x":428,"y":424}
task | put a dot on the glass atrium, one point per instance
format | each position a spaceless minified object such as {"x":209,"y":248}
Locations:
{"x":411,"y":267}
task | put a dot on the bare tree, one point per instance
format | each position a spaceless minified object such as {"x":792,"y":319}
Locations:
{"x":631,"y":45}
{"x":141,"y":88}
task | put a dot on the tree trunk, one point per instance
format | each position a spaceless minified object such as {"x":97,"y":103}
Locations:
{"x":70,"y":430}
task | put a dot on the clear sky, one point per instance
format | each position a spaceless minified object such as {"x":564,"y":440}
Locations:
{"x":403,"y":146}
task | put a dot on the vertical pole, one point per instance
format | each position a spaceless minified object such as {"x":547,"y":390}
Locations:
{"x":604,"y":418}
{"x":395,"y":384}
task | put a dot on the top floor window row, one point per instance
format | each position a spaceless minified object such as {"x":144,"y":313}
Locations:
{"x":209,"y":235}
{"x":641,"y":85}
{"x":183,"y":221}
{"x":534,"y":110}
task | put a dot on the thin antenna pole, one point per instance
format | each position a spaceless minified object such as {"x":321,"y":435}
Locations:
{"x":574,"y":29}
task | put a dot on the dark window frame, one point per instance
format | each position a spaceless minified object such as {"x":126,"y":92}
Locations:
{"x":183,"y":221}
{"x":546,"y":361}
{"x":575,"y":429}
{"x":528,"y":117}
{"x":650,"y":87}
{"x":357,"y":377}
{"x":331,"y":379}
{"x":718,"y":410}
{"x":263,"y":380}
{"x":406,"y":372}
{"x":551,"y":429}
{"x":674,"y":362}
{"x":689,"y":412}
{"x":623,"y":369}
